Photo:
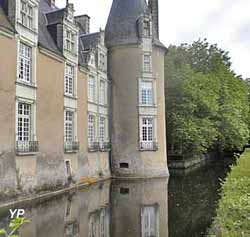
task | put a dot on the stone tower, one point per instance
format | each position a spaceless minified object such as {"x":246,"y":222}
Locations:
{"x":136,"y":69}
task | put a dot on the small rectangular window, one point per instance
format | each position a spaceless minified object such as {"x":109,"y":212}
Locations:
{"x":146,"y":28}
{"x":147,"y":63}
{"x":124,"y":165}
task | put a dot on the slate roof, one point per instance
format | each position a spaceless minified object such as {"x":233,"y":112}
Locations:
{"x":86,"y":44}
{"x":121,"y":27}
{"x":4,"y":22}
{"x":44,"y":37}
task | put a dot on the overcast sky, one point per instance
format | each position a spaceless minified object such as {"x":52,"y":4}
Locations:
{"x":226,"y":22}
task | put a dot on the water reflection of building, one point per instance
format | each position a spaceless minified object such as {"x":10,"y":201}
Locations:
{"x":99,"y":222}
{"x":83,"y":214}
{"x":140,"y":208}
{"x":127,"y":209}
{"x":150,"y":221}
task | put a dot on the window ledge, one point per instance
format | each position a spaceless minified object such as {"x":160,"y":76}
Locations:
{"x":91,"y":150}
{"x":23,"y":83}
{"x":71,"y":151}
{"x":148,"y":150}
{"x":71,"y":96}
{"x":148,"y":106}
{"x":26,"y":153}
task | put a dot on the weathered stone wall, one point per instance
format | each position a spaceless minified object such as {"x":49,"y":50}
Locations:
{"x":82,"y":123}
{"x":8,"y":73}
{"x":99,"y":164}
{"x":125,"y":68}
{"x":50,"y":121}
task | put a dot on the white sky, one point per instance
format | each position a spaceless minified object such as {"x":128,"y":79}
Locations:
{"x":225,"y":22}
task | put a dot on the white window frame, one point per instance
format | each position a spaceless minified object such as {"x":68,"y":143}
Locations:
{"x":102,"y":92}
{"x":91,"y":88}
{"x":26,"y":114}
{"x":25,"y":66}
{"x":69,"y":81}
{"x":150,"y":220}
{"x":147,"y":130}
{"x":27,"y":13}
{"x":102,"y":130}
{"x":91,"y":129}
{"x":70,"y":40}
{"x":147,"y":95}
{"x":147,"y":62}
{"x":148,"y":142}
{"x":69,"y":123}
{"x":146,"y":28}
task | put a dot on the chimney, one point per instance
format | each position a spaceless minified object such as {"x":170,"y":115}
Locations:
{"x":52,"y":3}
{"x":154,"y":9}
{"x":83,"y":22}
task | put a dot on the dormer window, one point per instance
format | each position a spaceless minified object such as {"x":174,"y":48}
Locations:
{"x":27,"y":15}
{"x":146,"y":28}
{"x":70,"y":41}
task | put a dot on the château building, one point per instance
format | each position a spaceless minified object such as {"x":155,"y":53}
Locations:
{"x":74,"y":104}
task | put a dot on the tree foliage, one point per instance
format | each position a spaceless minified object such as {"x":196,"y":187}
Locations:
{"x":206,"y":103}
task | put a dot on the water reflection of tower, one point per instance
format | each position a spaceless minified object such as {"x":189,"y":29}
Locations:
{"x":139,"y":208}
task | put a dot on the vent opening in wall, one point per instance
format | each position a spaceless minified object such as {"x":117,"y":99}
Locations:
{"x":124,"y":190}
{"x":124,"y":165}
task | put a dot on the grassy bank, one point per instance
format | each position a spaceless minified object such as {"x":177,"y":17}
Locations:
{"x":233,"y":214}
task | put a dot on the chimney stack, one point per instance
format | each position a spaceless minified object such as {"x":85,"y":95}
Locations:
{"x":154,"y":9}
{"x":83,"y":22}
{"x":52,"y":3}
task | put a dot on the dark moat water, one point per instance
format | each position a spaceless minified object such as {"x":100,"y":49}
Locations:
{"x":183,"y":206}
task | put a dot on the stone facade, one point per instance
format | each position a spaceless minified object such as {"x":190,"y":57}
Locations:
{"x":71,"y":101}
{"x":136,"y":68}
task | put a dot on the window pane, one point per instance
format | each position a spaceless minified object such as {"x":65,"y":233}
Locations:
{"x":24,"y":122}
{"x":69,"y":126}
{"x":147,"y":93}
{"x":69,"y":80}
{"x":91,"y":88}
{"x":25,"y":62}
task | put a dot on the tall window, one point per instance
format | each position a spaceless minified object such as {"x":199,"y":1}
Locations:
{"x":69,"y":80}
{"x":147,"y":63}
{"x":24,"y":122}
{"x":149,"y":221}
{"x":102,"y":130}
{"x":25,"y":62}
{"x":146,"y":28}
{"x":102,"y":97}
{"x":147,"y":130}
{"x":27,"y":15}
{"x":69,"y":126}
{"x":70,"y":41}
{"x":147,"y":93}
{"x":91,"y":88}
{"x":91,"y":129}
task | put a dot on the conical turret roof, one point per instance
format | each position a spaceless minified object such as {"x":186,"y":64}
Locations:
{"x":121,"y":27}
